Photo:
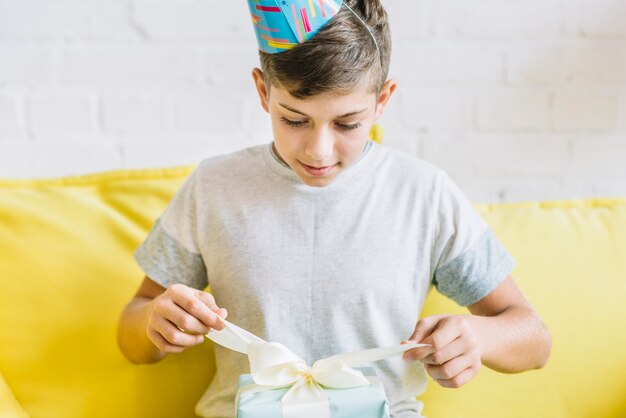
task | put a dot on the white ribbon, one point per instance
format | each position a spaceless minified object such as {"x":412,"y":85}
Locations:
{"x":273,"y":366}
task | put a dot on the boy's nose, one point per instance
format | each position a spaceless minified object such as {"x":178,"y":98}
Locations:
{"x":320,"y":146}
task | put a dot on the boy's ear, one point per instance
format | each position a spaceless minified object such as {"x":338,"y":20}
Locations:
{"x":259,"y":82}
{"x":385,"y":95}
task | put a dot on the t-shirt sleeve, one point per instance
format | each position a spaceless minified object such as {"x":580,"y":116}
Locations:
{"x":170,"y":253}
{"x":472,"y":262}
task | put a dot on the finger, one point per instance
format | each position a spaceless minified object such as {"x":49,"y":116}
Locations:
{"x":460,"y":379}
{"x":173,"y":334}
{"x":162,"y":344}
{"x":425,"y":326}
{"x":447,"y":330}
{"x":450,"y":369}
{"x":192,"y":303}
{"x":450,"y":351}
{"x":417,"y":353}
{"x":184,"y":321}
{"x":208,"y":300}
{"x":423,"y":329}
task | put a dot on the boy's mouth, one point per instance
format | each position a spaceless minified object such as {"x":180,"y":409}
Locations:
{"x":317,"y":171}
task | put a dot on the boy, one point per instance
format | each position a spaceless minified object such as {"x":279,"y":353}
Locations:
{"x":323,"y":240}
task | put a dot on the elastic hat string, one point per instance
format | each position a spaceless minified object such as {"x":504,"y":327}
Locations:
{"x":366,"y":26}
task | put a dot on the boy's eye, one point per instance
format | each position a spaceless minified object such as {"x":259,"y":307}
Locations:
{"x":349,"y":127}
{"x":298,"y":123}
{"x":290,"y":122}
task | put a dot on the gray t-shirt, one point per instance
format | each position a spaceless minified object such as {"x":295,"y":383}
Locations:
{"x":326,"y":270}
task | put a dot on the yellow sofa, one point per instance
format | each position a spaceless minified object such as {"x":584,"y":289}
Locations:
{"x":66,"y":271}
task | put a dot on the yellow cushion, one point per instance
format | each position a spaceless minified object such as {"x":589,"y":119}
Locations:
{"x":571,"y":263}
{"x":9,"y":407}
{"x":66,"y":270}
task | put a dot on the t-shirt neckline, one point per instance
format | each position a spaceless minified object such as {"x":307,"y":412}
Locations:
{"x":368,"y":158}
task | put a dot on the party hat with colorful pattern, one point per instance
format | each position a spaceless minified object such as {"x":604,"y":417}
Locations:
{"x":282,"y":24}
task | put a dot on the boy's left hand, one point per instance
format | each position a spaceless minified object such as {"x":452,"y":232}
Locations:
{"x":454,"y":356}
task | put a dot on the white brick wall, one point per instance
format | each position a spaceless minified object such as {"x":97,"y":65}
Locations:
{"x":516,"y":100}
{"x":516,"y":109}
{"x":60,"y":115}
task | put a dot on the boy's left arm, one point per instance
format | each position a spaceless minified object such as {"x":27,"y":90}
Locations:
{"x":503,"y":332}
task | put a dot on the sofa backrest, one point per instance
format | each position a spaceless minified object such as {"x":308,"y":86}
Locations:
{"x":66,"y":271}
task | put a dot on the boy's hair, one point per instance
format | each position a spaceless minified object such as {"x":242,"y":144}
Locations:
{"x":341,"y":57}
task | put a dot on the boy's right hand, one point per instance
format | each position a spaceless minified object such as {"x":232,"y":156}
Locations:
{"x":181,"y":316}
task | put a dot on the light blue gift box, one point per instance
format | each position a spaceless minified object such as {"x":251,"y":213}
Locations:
{"x":361,"y":402}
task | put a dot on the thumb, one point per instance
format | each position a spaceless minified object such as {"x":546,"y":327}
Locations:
{"x":424,"y":327}
{"x":209,"y":301}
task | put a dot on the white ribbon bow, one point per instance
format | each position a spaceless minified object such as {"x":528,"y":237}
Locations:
{"x":274,"y":366}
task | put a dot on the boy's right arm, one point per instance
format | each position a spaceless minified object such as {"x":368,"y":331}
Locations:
{"x":161,"y":320}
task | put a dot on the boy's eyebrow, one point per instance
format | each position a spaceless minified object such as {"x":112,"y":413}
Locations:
{"x":356,"y":112}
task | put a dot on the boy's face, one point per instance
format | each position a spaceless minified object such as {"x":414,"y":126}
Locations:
{"x":321,"y":136}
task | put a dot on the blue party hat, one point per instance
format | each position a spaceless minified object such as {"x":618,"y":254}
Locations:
{"x":282,"y":24}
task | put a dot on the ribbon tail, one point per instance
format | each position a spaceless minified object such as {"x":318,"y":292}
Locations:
{"x":233,"y":337}
{"x":360,"y":358}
